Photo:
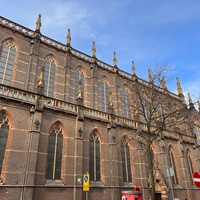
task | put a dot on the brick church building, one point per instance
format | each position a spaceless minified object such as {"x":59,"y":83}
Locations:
{"x":64,"y":114}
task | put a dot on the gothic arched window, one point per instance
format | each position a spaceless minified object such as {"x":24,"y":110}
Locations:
{"x":49,"y":76}
{"x":79,"y":77}
{"x":125,"y":103}
{"x":94,"y":157}
{"x":55,"y":153}
{"x":126,"y":164}
{"x":190,"y":166}
{"x":104,"y":95}
{"x":4,"y":128}
{"x":173,"y":166}
{"x":7,"y":61}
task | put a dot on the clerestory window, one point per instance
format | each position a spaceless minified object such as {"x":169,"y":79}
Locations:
{"x":49,"y":76}
{"x":104,"y":96}
{"x":7,"y":61}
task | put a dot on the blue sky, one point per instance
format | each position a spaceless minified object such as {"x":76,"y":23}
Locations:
{"x":151,"y":33}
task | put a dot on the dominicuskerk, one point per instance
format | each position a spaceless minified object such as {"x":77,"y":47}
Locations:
{"x":67,"y":118}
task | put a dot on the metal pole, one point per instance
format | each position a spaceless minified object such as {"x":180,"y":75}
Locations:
{"x":22,"y":194}
{"x":86,"y":193}
{"x":171,"y":183}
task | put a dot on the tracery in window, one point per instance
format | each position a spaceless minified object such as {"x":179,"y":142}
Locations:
{"x":7,"y":61}
{"x":49,"y":76}
{"x":104,"y":95}
{"x":55,"y":153}
{"x":190,"y":166}
{"x":94,"y":157}
{"x":125,"y":103}
{"x":126,"y":164}
{"x":79,"y":77}
{"x":4,"y":128}
{"x":173,"y":165}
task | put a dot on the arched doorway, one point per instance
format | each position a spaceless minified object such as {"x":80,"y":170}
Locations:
{"x":157,"y":191}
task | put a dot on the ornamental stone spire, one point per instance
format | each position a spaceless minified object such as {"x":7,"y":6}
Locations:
{"x":93,"y":50}
{"x":38,"y":24}
{"x":190,"y":101}
{"x":163,"y":82}
{"x":180,"y":92}
{"x":68,"y":38}
{"x":115,"y":59}
{"x":133,"y":69}
{"x":150,"y":76}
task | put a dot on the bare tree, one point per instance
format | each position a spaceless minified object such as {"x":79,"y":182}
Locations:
{"x":157,"y":111}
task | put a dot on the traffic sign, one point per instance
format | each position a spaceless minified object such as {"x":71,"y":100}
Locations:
{"x":86,"y":182}
{"x":196,"y":179}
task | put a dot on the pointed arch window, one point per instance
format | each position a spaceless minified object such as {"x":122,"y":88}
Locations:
{"x":4,"y":128}
{"x":79,"y":77}
{"x":55,"y":153}
{"x":94,"y":157}
{"x":49,"y":76}
{"x":126,"y":164}
{"x":190,"y":166}
{"x":125,"y":103}
{"x":7,"y":61}
{"x":104,"y":95}
{"x":173,"y":166}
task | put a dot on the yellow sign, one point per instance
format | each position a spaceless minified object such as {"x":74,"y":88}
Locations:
{"x":86,"y":182}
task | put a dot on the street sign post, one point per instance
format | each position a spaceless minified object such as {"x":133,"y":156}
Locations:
{"x":86,"y":182}
{"x":196,"y":179}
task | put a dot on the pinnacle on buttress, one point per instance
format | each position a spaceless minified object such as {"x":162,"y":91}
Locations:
{"x":68,"y":38}
{"x":163,"y":82}
{"x":115,"y":59}
{"x":133,"y":68}
{"x":180,"y":92}
{"x":190,"y":101}
{"x":93,"y":50}
{"x":38,"y":24}
{"x":199,"y":106}
{"x":150,"y":76}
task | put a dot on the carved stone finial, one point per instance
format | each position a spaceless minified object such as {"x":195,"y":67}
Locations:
{"x":115,"y":59}
{"x":179,"y":86}
{"x":199,"y":106}
{"x":80,"y":95}
{"x":163,"y":82}
{"x":180,"y":92}
{"x":93,"y":50}
{"x":68,"y":38}
{"x":150,"y":76}
{"x":189,"y":98}
{"x":133,"y":68}
{"x":190,"y":101}
{"x":38,"y":24}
